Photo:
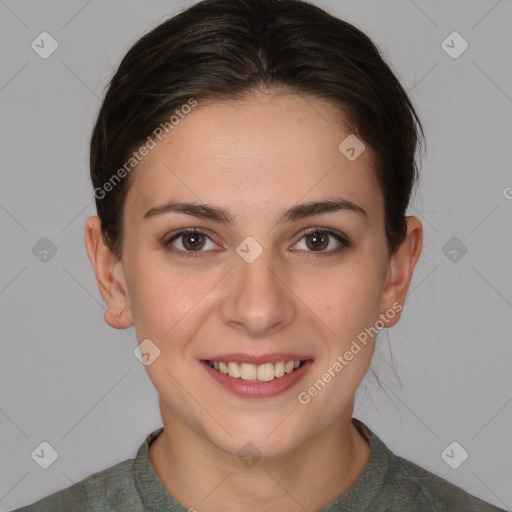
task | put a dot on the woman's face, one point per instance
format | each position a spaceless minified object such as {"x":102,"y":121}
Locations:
{"x":259,"y":289}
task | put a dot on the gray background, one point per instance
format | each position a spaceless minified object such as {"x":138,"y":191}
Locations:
{"x":69,"y":379}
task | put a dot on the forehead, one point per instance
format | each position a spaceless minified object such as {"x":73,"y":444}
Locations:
{"x":256,"y":153}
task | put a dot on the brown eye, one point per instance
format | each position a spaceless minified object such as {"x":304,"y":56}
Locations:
{"x":193,"y":241}
{"x":317,"y":241}
{"x":189,"y":241}
{"x":323,"y":241}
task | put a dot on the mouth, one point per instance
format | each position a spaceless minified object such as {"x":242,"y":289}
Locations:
{"x":265,"y":372}
{"x":257,"y":377}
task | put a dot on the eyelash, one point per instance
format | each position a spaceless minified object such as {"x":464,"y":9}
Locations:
{"x":345,"y":244}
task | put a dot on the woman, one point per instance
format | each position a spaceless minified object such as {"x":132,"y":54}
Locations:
{"x":252,"y":164}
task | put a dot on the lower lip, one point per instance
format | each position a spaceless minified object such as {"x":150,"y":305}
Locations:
{"x":253,"y":389}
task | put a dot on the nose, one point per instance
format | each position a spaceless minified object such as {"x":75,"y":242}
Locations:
{"x":258,"y":300}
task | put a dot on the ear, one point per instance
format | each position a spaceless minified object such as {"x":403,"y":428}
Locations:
{"x":400,"y":270}
{"x":109,"y":276}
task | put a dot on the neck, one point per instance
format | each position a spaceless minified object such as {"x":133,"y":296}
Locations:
{"x":201,"y":476}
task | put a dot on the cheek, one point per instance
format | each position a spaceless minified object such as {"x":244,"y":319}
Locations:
{"x":170,"y":302}
{"x":346,"y":298}
{"x":162,"y":296}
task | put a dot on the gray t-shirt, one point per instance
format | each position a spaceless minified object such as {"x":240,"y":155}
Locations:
{"x":387,"y":483}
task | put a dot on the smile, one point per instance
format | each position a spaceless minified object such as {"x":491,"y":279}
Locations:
{"x":257,"y":373}
{"x":257,"y":376}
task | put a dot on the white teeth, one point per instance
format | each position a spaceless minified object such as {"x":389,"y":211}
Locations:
{"x":248,"y":371}
{"x":234,"y":370}
{"x":263,"y":372}
{"x":279,"y":369}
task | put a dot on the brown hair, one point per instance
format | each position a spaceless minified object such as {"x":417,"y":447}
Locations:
{"x":226,"y":49}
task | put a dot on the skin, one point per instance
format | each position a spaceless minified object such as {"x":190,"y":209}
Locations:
{"x":240,"y":156}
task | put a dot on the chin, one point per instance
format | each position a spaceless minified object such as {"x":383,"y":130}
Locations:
{"x":264,"y":439}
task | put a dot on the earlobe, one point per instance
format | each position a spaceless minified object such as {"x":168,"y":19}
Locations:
{"x":106,"y":268}
{"x":400,"y":271}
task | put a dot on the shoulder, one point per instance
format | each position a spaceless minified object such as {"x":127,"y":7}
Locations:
{"x":390,"y":482}
{"x":95,"y":492}
{"x":413,"y":484}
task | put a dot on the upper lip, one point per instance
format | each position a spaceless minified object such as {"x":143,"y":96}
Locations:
{"x":257,"y":359}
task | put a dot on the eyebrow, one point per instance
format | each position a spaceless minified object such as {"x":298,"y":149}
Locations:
{"x":217,"y":214}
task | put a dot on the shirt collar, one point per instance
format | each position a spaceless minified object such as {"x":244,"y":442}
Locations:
{"x":359,"y":496}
